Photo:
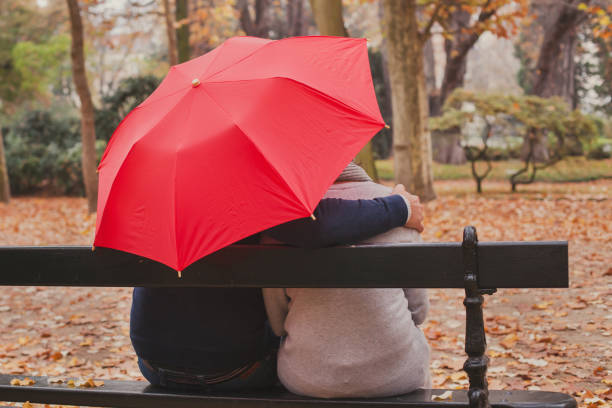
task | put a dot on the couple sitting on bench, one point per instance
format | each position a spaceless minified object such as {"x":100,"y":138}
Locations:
{"x":334,"y":342}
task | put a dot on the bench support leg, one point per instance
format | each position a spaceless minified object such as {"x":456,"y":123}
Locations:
{"x":475,"y":339}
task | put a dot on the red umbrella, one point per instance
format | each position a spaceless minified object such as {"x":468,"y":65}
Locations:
{"x":243,"y":138}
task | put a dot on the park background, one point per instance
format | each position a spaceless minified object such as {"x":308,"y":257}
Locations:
{"x":500,"y":117}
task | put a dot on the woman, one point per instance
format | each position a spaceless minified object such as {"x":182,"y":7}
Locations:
{"x":352,"y":342}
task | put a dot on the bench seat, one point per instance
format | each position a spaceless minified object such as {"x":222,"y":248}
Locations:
{"x":137,"y":394}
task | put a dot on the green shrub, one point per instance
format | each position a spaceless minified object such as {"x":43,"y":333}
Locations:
{"x":43,"y":153}
{"x":600,"y":149}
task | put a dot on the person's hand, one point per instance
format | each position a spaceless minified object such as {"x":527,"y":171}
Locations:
{"x":417,"y":213}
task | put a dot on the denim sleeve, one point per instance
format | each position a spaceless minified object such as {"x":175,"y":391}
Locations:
{"x":340,"y":222}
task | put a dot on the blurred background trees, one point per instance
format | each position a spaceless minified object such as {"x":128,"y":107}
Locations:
{"x":448,"y":76}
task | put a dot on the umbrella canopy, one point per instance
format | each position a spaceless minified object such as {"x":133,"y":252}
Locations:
{"x":243,"y":138}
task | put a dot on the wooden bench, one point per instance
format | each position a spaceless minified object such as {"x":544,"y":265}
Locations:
{"x":479,"y":268}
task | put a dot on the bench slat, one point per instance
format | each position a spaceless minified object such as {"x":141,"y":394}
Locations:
{"x":133,"y":394}
{"x":429,"y":265}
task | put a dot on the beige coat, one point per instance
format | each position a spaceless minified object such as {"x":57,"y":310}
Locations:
{"x":352,"y":342}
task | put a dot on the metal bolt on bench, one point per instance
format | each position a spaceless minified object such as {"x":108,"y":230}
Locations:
{"x":479,"y":268}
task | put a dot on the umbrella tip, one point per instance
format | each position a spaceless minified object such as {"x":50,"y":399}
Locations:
{"x":195,"y":83}
{"x":387,"y":126}
{"x":93,"y":248}
{"x":313,"y":217}
{"x":180,"y":274}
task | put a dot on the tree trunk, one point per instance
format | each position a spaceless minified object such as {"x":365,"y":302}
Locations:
{"x":182,"y":31}
{"x":429,"y":61}
{"x":296,"y":24}
{"x":171,"y":33}
{"x":446,"y":146}
{"x":5,"y":188}
{"x":555,"y":70}
{"x":412,"y":142}
{"x":88,"y":132}
{"x":258,"y":27}
{"x":328,"y":16}
{"x":456,"y":53}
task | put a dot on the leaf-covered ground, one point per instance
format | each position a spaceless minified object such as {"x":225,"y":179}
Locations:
{"x":538,"y":339}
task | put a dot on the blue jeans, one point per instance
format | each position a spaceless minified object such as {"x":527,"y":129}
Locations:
{"x":261,"y":374}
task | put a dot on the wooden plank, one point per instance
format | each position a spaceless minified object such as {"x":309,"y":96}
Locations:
{"x":133,"y":394}
{"x":430,"y":265}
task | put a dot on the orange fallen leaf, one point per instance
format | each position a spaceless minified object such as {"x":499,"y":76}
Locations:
{"x":599,"y":371}
{"x":56,"y":356}
{"x":509,"y":341}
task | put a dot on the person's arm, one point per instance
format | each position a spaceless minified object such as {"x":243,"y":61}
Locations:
{"x":340,"y":221}
{"x":418,"y":304}
{"x":277,"y":308}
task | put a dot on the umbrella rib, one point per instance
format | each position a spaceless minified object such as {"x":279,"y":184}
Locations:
{"x":241,"y":59}
{"x":174,"y":212}
{"x":147,"y":102}
{"x":214,"y":59}
{"x":314,"y":90}
{"x":258,"y":149}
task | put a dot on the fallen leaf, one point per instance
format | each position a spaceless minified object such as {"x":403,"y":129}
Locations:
{"x":448,"y":395}
{"x":25,"y":382}
{"x":509,"y":341}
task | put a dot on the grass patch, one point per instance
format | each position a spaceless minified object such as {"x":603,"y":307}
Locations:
{"x":569,"y":169}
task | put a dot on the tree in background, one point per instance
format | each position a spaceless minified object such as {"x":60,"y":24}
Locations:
{"x":463,"y":24}
{"x":329,"y":20}
{"x":411,"y":139}
{"x":88,"y":132}
{"x":554,"y":72}
{"x":273,"y":19}
{"x":182,"y":30}
{"x":503,"y":118}
{"x":548,"y":52}
{"x":170,"y":33}
{"x":594,"y":67}
{"x":30,"y":53}
{"x":257,"y":26}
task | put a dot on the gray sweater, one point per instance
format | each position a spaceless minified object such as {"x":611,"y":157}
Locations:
{"x":352,"y":342}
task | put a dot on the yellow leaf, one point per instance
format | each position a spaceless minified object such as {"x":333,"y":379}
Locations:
{"x":542,"y":306}
{"x":582,"y":6}
{"x":448,"y":395}
{"x":26,"y":381}
{"x":88,"y":342}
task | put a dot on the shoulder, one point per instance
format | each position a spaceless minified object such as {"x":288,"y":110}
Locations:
{"x":354,"y":190}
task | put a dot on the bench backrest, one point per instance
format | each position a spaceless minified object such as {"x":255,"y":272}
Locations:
{"x":425,"y":265}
